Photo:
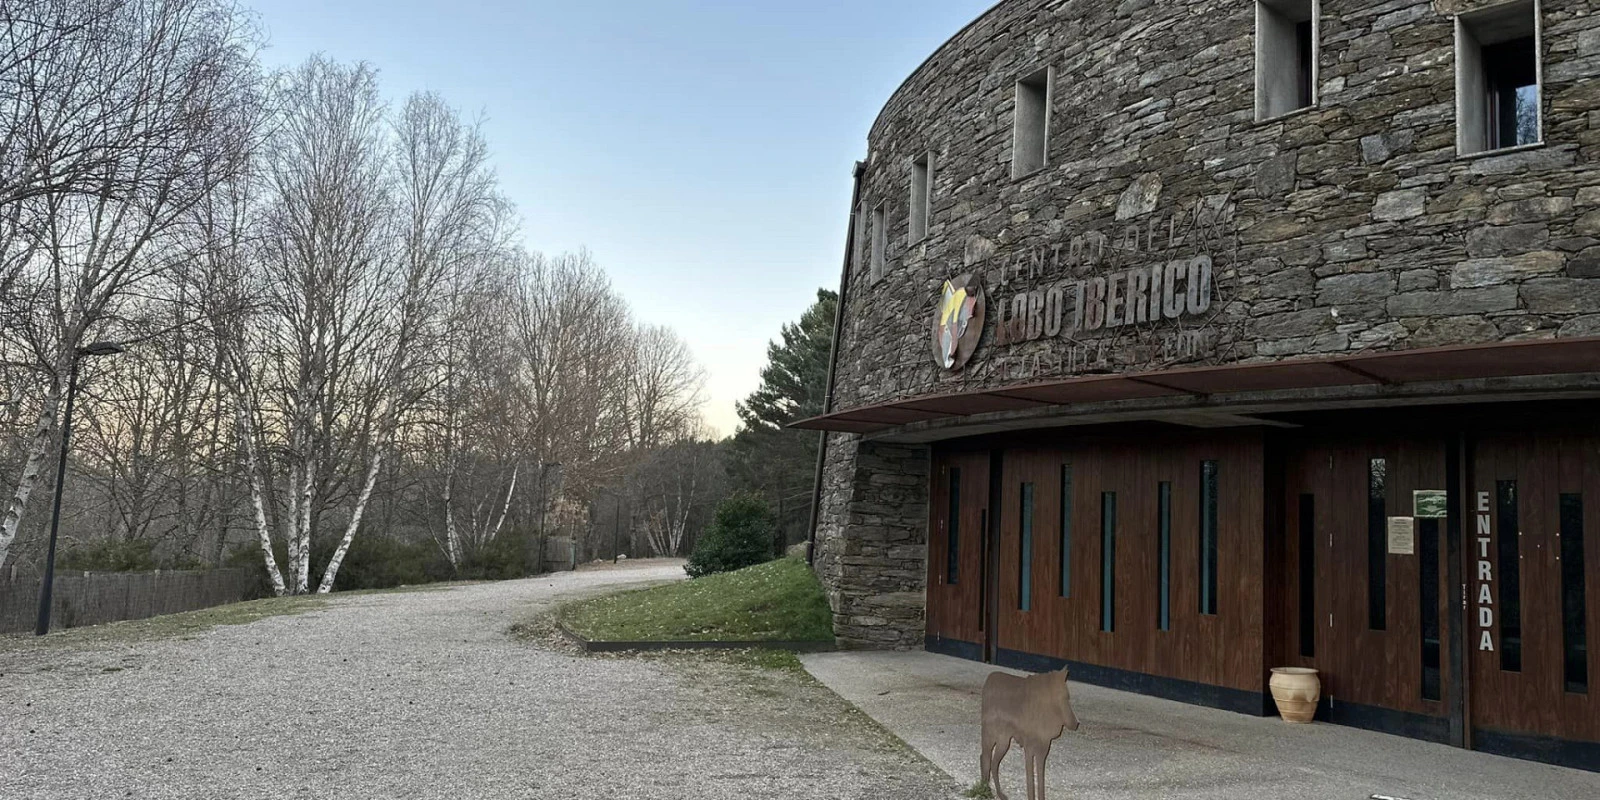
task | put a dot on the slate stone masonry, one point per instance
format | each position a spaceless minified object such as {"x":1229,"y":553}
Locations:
{"x":1350,"y":226}
{"x":872,"y":541}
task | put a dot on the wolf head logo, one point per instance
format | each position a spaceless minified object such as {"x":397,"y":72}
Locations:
{"x":958,"y":321}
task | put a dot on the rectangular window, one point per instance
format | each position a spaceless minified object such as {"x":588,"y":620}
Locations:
{"x":1377,"y":544}
{"x":1066,"y":530}
{"x":880,"y":241}
{"x":1208,"y":537}
{"x":1574,"y":596}
{"x":861,"y":230}
{"x":921,"y":197}
{"x":1286,"y":56}
{"x":1308,"y":576}
{"x":1025,"y":558}
{"x":1498,"y":92}
{"x":1108,"y":560}
{"x":1030,"y":142}
{"x":1508,"y":540}
{"x":1164,"y":531}
{"x":1428,"y":580}
{"x":953,"y":532}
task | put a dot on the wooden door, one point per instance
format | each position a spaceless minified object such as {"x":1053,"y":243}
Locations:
{"x":956,"y":558}
{"x":1533,"y":601}
{"x":1366,"y":611}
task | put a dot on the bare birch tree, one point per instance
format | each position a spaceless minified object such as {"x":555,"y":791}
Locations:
{"x":307,"y":387}
{"x":161,"y":80}
{"x":446,"y":213}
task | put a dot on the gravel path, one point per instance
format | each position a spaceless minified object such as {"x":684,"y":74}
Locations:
{"x":425,"y":695}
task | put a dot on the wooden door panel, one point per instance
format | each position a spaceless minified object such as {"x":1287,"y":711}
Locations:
{"x":1532,"y":697}
{"x":1363,"y":660}
{"x":955,"y":591}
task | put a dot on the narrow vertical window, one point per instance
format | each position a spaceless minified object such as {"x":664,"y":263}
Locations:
{"x":1164,"y":531}
{"x":1286,"y":56}
{"x":1108,"y":560}
{"x":1308,"y":576}
{"x":1066,"y":530}
{"x":921,"y":197}
{"x":859,"y":252}
{"x":1377,"y":544}
{"x":953,"y":530}
{"x":1508,"y":541}
{"x":1208,"y":537}
{"x":1574,"y":597}
{"x":1498,"y":94}
{"x":880,"y":241}
{"x":1031,"y":140}
{"x":1025,"y":558}
{"x":1428,"y":581}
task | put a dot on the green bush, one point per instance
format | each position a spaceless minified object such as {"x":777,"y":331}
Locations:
{"x":121,"y":555}
{"x":377,"y":561}
{"x":740,"y":535}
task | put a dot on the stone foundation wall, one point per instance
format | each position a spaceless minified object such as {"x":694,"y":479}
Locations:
{"x":872,"y":542}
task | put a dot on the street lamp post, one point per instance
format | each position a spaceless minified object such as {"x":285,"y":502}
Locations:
{"x":45,"y":591}
{"x":616,"y":530}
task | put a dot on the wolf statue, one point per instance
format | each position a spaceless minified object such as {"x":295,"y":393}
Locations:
{"x":1031,"y":711}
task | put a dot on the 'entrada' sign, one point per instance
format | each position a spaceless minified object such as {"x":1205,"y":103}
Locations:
{"x":1176,"y":289}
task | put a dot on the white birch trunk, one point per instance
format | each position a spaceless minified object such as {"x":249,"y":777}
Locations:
{"x":334,"y":563}
{"x":302,"y":570}
{"x":291,"y":525}
{"x":258,"y":502}
{"x":452,"y":541}
{"x":506,"y":508}
{"x":38,"y":452}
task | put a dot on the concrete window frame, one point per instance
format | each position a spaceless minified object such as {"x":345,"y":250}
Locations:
{"x":1030,"y":141}
{"x":921,"y":204}
{"x":1288,"y":68}
{"x":1476,"y":114}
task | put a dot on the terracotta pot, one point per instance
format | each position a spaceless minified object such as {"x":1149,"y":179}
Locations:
{"x":1296,"y":690}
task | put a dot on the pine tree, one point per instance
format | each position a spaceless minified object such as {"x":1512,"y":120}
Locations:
{"x":767,"y":458}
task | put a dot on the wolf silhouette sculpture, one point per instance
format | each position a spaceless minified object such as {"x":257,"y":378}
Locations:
{"x":1031,"y":711}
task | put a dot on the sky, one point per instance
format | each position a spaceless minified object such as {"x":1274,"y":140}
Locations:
{"x":700,"y":150}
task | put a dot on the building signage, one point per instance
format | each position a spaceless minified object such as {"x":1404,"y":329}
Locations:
{"x":1122,"y":285}
{"x":1485,"y":577}
{"x":1173,"y":290}
{"x":958,"y":323}
{"x":1402,"y":536}
{"x":1429,"y":504}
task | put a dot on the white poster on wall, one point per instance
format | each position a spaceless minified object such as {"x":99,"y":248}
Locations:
{"x":1402,"y":536}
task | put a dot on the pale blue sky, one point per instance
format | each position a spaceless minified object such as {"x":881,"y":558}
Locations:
{"x":701,"y":150}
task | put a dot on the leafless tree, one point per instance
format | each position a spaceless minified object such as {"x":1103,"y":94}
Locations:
{"x":315,"y":357}
{"x":154,"y":107}
{"x":664,"y":389}
{"x":332,"y":318}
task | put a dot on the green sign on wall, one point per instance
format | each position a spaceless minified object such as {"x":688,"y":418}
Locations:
{"x":1428,"y":504}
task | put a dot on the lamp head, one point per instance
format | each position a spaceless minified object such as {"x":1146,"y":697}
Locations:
{"x":102,"y":349}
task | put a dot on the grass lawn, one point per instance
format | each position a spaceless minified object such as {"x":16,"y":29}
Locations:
{"x":188,"y":623}
{"x":777,"y":601}
{"x":191,"y":623}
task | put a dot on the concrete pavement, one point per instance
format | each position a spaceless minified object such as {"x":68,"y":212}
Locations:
{"x":1133,"y":746}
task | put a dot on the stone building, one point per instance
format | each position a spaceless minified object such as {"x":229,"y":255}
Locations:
{"x":1184,"y":339}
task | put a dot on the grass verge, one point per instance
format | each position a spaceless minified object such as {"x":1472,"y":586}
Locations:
{"x":190,"y":623}
{"x":169,"y":626}
{"x":776,"y":601}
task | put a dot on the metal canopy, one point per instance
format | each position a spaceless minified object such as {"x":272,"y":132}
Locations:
{"x":1425,"y":365}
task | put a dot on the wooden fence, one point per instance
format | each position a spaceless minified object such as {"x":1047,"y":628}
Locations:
{"x":91,"y":598}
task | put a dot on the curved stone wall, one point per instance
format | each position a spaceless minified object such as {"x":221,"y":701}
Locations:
{"x":1169,"y":227}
